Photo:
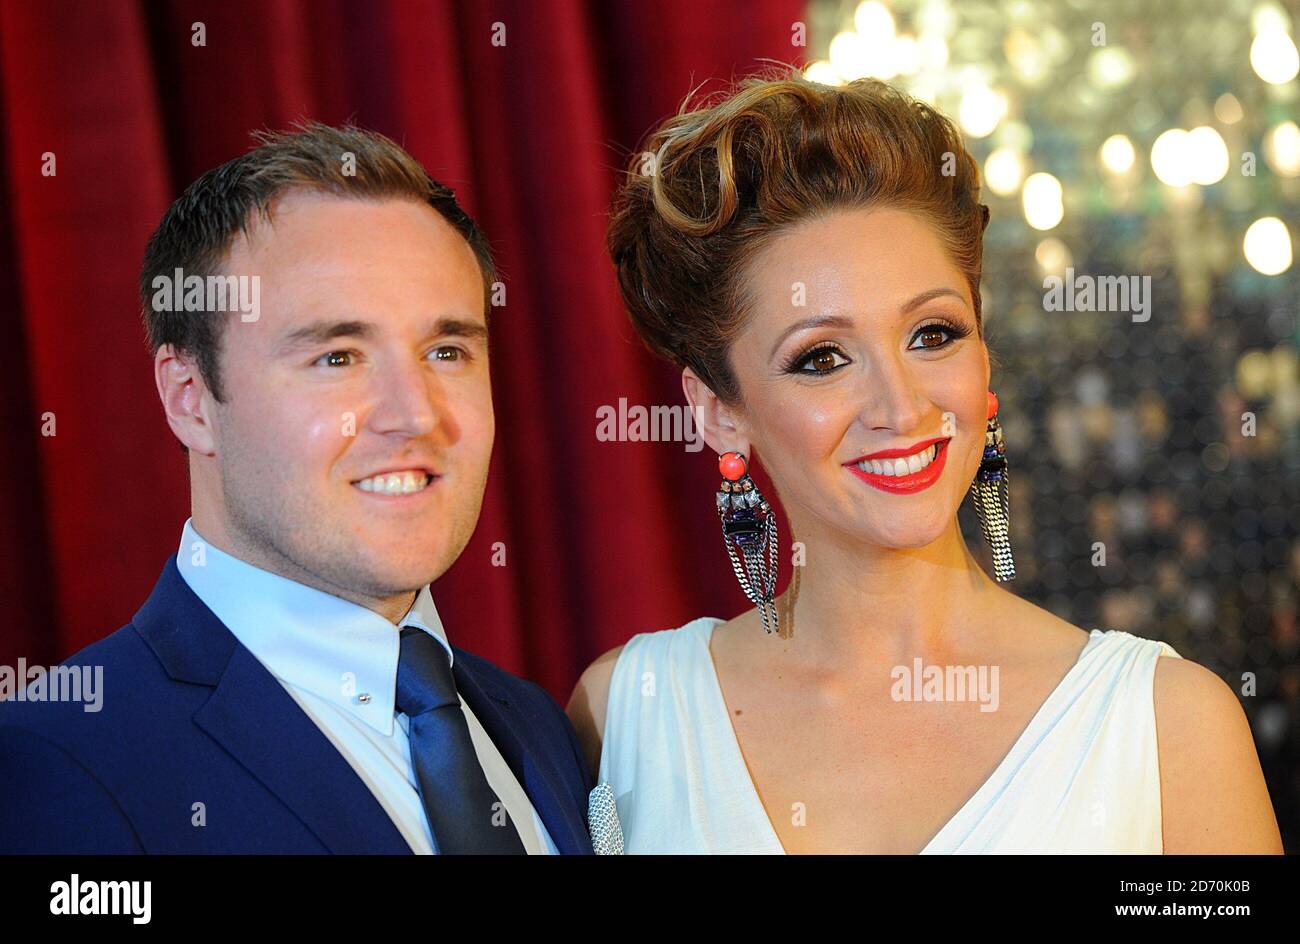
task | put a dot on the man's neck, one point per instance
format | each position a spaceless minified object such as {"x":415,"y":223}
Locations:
{"x":393,"y":608}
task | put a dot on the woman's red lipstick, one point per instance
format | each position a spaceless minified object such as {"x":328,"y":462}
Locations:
{"x":903,"y":484}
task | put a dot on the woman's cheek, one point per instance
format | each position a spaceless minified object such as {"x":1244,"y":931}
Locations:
{"x":802,"y":438}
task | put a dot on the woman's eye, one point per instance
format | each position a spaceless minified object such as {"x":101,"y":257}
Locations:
{"x":943,"y":334}
{"x":821,"y":361}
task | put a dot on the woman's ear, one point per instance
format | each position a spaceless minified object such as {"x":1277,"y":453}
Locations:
{"x":719,"y":424}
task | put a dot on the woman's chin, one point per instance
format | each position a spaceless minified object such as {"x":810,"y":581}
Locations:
{"x":902,"y":535}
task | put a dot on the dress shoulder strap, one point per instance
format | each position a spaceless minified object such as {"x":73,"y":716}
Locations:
{"x":657,"y":681}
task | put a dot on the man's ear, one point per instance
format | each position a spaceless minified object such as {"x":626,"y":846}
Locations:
{"x":186,"y":399}
{"x":718,"y":423}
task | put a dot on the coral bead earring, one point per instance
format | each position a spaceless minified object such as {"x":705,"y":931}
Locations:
{"x":749,"y":532}
{"x":732,"y":465}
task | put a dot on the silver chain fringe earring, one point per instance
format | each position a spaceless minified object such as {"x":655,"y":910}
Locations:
{"x":749,"y":532}
{"x":991,"y":491}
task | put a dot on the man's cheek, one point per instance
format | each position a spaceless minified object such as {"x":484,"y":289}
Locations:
{"x":484,"y":421}
{"x":322,"y":433}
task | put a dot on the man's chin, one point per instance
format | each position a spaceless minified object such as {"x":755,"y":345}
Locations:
{"x":401,"y":571}
{"x":391,"y":582}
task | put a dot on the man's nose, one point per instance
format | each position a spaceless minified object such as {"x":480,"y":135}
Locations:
{"x":409,"y":400}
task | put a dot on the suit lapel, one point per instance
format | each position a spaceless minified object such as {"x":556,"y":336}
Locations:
{"x":260,"y":725}
{"x":503,"y":722}
{"x":282,"y":747}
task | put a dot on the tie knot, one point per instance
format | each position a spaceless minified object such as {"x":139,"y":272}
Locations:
{"x":424,"y":679}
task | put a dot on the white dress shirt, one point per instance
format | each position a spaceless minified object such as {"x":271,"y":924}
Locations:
{"x":338,"y":661}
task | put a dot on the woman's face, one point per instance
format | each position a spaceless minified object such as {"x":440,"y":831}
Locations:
{"x":862,"y":338}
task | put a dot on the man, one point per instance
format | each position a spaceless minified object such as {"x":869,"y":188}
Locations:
{"x":288,"y":687}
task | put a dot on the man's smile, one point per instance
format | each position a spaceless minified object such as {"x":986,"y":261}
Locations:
{"x":397,"y":482}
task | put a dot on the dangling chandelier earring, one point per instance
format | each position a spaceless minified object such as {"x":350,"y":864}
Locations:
{"x":992,"y":495}
{"x":749,"y":532}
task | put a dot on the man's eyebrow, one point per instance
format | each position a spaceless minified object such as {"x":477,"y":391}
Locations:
{"x":460,"y":328}
{"x":318,"y":332}
{"x":841,"y":321}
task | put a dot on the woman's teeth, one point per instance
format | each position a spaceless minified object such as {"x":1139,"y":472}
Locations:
{"x":908,"y":466}
{"x":395,"y":483}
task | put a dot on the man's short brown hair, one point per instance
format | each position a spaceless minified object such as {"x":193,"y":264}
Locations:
{"x":196,"y":232}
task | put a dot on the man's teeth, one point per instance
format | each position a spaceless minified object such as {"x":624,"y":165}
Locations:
{"x":908,"y":466}
{"x":394,"y":483}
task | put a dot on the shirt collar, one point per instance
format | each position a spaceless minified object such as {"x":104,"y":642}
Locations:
{"x":307,"y":638}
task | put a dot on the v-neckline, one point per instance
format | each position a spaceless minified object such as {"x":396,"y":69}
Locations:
{"x":980,"y":791}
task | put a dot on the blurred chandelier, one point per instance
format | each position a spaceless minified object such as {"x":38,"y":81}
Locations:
{"x":1081,"y":108}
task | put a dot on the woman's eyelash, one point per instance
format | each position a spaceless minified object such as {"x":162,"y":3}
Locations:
{"x":957,"y":331}
{"x":796,"y":364}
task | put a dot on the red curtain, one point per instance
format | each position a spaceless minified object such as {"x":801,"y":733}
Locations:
{"x":602,"y":539}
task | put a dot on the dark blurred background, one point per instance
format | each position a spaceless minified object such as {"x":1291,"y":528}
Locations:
{"x":1163,"y":144}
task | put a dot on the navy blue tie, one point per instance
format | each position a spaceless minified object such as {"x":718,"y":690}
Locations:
{"x":465,"y":815}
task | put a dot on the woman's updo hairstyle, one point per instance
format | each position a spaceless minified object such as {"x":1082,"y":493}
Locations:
{"x":715,"y":183}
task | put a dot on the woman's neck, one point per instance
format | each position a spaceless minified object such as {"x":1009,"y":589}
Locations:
{"x":852,"y":604}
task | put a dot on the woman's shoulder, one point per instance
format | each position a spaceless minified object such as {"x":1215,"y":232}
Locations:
{"x":1183,"y":691}
{"x":596,"y":677}
{"x":1213,"y":795}
{"x":1213,"y":792}
{"x":590,"y":699}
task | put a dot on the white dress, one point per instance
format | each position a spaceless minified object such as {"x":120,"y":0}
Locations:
{"x":1083,"y":777}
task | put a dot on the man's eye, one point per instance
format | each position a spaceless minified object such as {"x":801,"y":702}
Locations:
{"x":449,"y":353}
{"x":335,"y":359}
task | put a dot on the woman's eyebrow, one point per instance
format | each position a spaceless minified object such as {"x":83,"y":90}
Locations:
{"x":840,"y":321}
{"x":817,"y":321}
{"x":924,"y":297}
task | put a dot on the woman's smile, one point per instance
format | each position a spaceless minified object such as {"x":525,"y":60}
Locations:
{"x":903,"y":475}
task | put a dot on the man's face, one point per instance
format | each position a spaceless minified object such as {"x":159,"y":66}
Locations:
{"x":352,"y":450}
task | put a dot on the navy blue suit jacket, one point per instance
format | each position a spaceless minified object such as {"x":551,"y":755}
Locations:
{"x":190,"y":716}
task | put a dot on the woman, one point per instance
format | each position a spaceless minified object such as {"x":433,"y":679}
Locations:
{"x":810,"y":257}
